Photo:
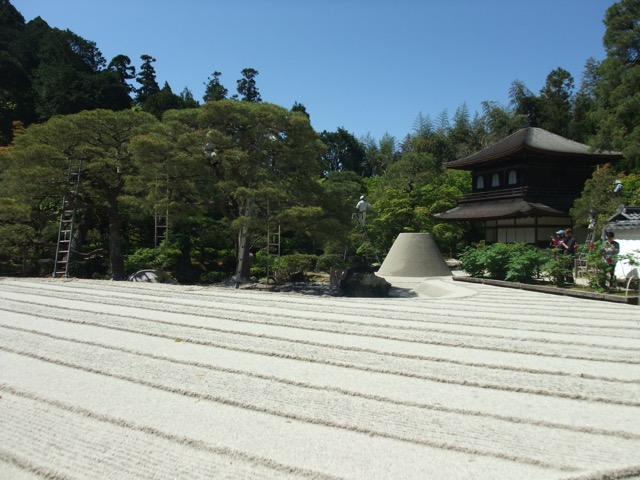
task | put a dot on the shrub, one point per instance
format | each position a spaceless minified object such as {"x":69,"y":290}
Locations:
{"x":600,"y":270}
{"x":288,"y":265}
{"x":262,"y":263}
{"x":329,"y":260}
{"x":515,"y":262}
{"x":497,"y":259}
{"x":525,"y":263}
{"x":213,"y":277}
{"x":557,"y":268}
{"x":142,"y":259}
{"x":472,"y":260}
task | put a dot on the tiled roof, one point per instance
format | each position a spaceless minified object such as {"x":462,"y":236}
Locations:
{"x":626,"y":214}
{"x":498,"y":209}
{"x":537,"y":140}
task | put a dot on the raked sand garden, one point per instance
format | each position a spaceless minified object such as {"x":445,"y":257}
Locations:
{"x":444,"y":380}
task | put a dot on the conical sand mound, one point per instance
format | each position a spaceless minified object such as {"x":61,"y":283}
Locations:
{"x":414,"y":255}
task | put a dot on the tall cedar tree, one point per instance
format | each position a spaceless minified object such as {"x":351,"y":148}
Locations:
{"x":214,"y":90}
{"x":617,"y":111}
{"x":247,"y":86}
{"x":147,"y":80}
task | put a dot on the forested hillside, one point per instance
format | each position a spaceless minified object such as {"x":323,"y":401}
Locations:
{"x":224,"y":171}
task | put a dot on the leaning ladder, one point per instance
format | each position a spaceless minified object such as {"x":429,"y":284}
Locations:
{"x":581,"y":266}
{"x":273,"y":249}
{"x":161,"y":221}
{"x":67,"y":221}
{"x":356,"y":217}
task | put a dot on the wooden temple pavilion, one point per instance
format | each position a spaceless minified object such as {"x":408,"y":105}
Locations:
{"x":524,"y":185}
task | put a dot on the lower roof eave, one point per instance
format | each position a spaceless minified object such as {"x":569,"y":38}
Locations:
{"x":481,"y":211}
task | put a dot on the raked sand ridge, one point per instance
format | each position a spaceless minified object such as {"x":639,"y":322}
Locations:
{"x":129,"y":380}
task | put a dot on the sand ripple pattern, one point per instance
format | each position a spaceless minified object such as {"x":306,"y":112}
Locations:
{"x":124,"y":380}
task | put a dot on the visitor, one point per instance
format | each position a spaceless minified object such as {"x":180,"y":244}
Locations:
{"x":568,"y":244}
{"x":555,"y":239}
{"x":362,"y":206}
{"x":610,"y":251}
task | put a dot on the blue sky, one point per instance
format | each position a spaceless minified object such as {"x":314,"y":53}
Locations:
{"x":369,"y":66}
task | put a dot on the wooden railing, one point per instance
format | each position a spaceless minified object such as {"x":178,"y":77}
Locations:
{"x":531,"y":193}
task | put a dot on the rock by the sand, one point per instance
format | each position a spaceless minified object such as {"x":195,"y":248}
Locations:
{"x":365,"y":285}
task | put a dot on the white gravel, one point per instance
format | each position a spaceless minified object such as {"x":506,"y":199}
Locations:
{"x":444,"y":381}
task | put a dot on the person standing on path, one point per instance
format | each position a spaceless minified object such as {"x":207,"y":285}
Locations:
{"x":568,"y":245}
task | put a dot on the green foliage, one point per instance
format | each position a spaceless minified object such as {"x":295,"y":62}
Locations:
{"x":147,"y":80}
{"x":631,"y":184}
{"x":514,"y":262}
{"x":555,"y":104}
{"x":261,"y":264}
{"x":288,"y":265}
{"x":597,"y":197}
{"x":414,"y":189}
{"x":213,"y":277}
{"x":344,"y":152}
{"x":497,"y":258}
{"x":145,"y":258}
{"x":247,"y":86}
{"x":158,"y":103}
{"x":617,"y":93}
{"x":99,"y":139}
{"x":557,"y":268}
{"x":214,"y":90}
{"x":600,"y":267}
{"x":282,"y":268}
{"x":472,"y":260}
{"x":525,"y":263}
{"x":332,"y":260}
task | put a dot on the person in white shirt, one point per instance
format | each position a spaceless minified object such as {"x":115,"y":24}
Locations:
{"x":362,"y":206}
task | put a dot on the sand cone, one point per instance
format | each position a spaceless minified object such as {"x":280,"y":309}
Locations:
{"x":414,"y":255}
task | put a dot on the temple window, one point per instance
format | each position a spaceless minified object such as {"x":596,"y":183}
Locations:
{"x":513,"y":178}
{"x":495,"y":180}
{"x":480,"y":182}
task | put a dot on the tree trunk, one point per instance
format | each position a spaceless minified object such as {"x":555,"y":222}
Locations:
{"x":243,"y":267}
{"x":116,"y":257}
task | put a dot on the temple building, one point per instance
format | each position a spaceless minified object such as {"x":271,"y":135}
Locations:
{"x":524,"y":185}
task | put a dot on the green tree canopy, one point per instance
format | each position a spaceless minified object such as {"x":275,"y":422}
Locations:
{"x":555,"y":104}
{"x":99,"y":140}
{"x":214,"y":90}
{"x":344,"y":152}
{"x":125,"y":72}
{"x":147,"y":80}
{"x":617,"y":111}
{"x":257,"y":156}
{"x":247,"y":88}
{"x":597,"y":201}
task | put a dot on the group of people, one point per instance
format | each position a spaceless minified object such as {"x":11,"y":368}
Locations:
{"x":565,"y":243}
